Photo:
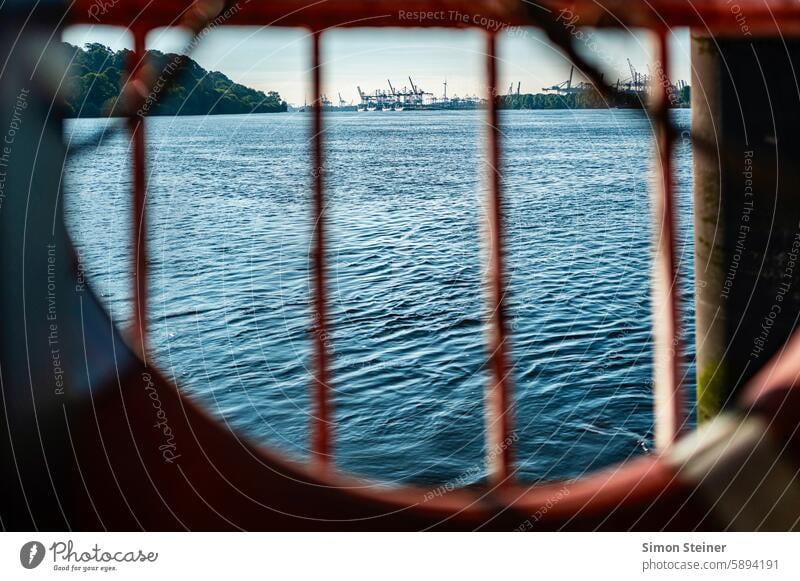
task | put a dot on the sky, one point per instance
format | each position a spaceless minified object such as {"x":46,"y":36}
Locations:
{"x":278,"y":59}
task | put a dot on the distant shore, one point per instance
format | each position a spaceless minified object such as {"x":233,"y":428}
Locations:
{"x":96,"y":73}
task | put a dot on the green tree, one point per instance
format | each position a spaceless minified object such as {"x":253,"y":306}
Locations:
{"x":96,"y":74}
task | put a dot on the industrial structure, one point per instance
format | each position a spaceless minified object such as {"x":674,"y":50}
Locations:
{"x":413,"y":98}
{"x":632,"y":89}
{"x":566,"y":87}
{"x":637,"y":85}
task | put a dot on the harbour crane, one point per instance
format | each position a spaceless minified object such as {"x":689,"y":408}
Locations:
{"x":638,"y":81}
{"x":633,"y":73}
{"x":564,"y":86}
{"x":418,"y":93}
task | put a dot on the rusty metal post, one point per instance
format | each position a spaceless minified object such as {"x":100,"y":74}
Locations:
{"x":138,"y":330}
{"x":321,"y":416}
{"x":745,"y":102}
{"x":666,"y":309}
{"x":498,"y":394}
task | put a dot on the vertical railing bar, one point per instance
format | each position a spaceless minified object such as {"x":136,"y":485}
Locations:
{"x":138,"y":331}
{"x":321,"y":416}
{"x":498,"y":393}
{"x":666,"y":311}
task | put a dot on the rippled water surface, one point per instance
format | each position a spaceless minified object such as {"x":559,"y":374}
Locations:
{"x":229,"y":230}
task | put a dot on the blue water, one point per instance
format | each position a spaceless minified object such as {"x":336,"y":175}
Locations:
{"x":229,"y":204}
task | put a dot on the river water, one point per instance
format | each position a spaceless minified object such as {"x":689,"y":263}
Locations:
{"x":229,"y":226}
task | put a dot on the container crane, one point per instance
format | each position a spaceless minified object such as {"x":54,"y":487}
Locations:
{"x":638,"y":81}
{"x":565,"y":86}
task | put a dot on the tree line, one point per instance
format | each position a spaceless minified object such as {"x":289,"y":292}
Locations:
{"x":96,"y":74}
{"x":586,"y":99}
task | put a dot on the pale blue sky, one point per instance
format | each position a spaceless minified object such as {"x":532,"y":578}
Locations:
{"x":278,"y":58}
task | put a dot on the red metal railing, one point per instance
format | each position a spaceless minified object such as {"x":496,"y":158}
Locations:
{"x":498,"y":397}
{"x":762,"y":17}
{"x":318,"y":16}
{"x":138,"y":331}
{"x":498,"y":392}
{"x":666,"y":309}
{"x":321,"y":417}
